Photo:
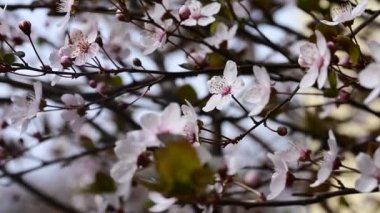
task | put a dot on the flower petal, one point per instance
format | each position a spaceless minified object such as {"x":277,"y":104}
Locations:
{"x":365,"y":164}
{"x":365,"y":183}
{"x":230,"y":72}
{"x":210,"y":9}
{"x":277,"y":185}
{"x":212,"y":102}
{"x":309,"y":78}
{"x":373,"y":95}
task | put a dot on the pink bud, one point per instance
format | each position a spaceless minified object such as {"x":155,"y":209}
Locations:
{"x":65,"y":61}
{"x":25,"y":27}
{"x":93,"y":83}
{"x":184,"y":12}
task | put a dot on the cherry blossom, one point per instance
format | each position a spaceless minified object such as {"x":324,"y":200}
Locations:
{"x":297,"y":152}
{"x":155,"y":37}
{"x":329,"y":161}
{"x":24,"y":109}
{"x":278,"y":179}
{"x":59,"y":59}
{"x":370,"y":171}
{"x":169,"y":121}
{"x":161,"y":203}
{"x":346,"y":13}
{"x":191,"y":128}
{"x":222,"y":34}
{"x":223,"y":87}
{"x":83,"y":46}
{"x":198,"y":15}
{"x":75,"y":110}
{"x":258,"y":95}
{"x":370,"y":76}
{"x":65,"y":6}
{"x":315,"y":57}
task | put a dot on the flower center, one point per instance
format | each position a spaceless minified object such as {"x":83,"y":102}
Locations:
{"x":83,"y":46}
{"x":226,"y":90}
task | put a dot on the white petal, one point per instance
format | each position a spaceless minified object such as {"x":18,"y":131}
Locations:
{"x":323,"y":173}
{"x":224,"y":101}
{"x":212,"y":103}
{"x":279,"y":164}
{"x":123,"y":171}
{"x":38,"y":90}
{"x":210,"y":9}
{"x":333,"y":146}
{"x":376,"y":157}
{"x":171,"y":113}
{"x":277,"y":185}
{"x":309,"y":78}
{"x":189,"y":22}
{"x":370,"y":76}
{"x":204,"y":21}
{"x":261,"y":75}
{"x":257,"y":109}
{"x":365,"y":164}
{"x":359,"y":9}
{"x":68,"y":99}
{"x":365,"y":183}
{"x":150,"y":121}
{"x":330,"y":23}
{"x":230,"y":72}
{"x":373,"y":95}
{"x":321,"y":42}
{"x":161,"y":203}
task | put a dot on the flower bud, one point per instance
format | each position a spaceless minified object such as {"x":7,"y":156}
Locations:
{"x":343,"y":96}
{"x":93,"y":83}
{"x":66,"y":61}
{"x":99,"y":40}
{"x":25,"y":27}
{"x":184,"y":12}
{"x":282,"y":131}
{"x":137,"y":62}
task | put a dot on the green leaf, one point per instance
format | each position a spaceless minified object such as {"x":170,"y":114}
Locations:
{"x":346,"y":44}
{"x":103,"y":183}
{"x":115,"y":81}
{"x":308,"y":5}
{"x":180,"y":170}
{"x":187,"y":92}
{"x":332,"y":80}
{"x":9,"y":58}
{"x":86,"y":142}
{"x":215,"y":60}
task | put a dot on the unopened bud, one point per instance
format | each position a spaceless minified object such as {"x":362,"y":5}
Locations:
{"x":93,"y":83}
{"x":25,"y":27}
{"x":343,"y":96}
{"x":282,"y":131}
{"x":137,"y":62}
{"x":119,"y":15}
{"x":66,"y":61}
{"x":99,"y":40}
{"x":184,"y":12}
{"x":331,"y":45}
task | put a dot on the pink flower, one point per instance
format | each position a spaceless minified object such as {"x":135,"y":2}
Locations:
{"x":191,"y":128}
{"x":329,"y":160}
{"x":25,"y":109}
{"x":222,"y":34}
{"x":75,"y":111}
{"x":370,"y":76}
{"x":83,"y":46}
{"x":370,"y":171}
{"x":317,"y":59}
{"x":199,"y":15}
{"x":222,"y":88}
{"x":258,"y":95}
{"x":60,"y":59}
{"x":345,"y":13}
{"x":155,"y":37}
{"x":278,"y":179}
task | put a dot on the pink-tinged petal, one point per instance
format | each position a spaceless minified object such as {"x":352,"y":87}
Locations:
{"x":77,"y":124}
{"x":365,"y":164}
{"x":203,"y":154}
{"x":76,"y":35}
{"x":150,"y":121}
{"x":91,"y":37}
{"x":278,"y":163}
{"x":309,"y":78}
{"x":359,"y":9}
{"x":68,"y":99}
{"x":333,"y":146}
{"x":321,"y":42}
{"x":323,"y":173}
{"x":161,"y":203}
{"x":370,"y":76}
{"x":172,"y":112}
{"x":257,"y":109}
{"x":374,"y":47}
{"x":261,"y":75}
{"x":230,"y":72}
{"x":64,"y":21}
{"x":237,"y":85}
{"x":290,"y":155}
{"x":93,"y":49}
{"x":376,"y":157}
{"x":212,"y":102}
{"x":79,"y":99}
{"x":365,"y":183}
{"x":25,"y":125}
{"x":55,"y":80}
{"x":189,"y":22}
{"x":151,"y":48}
{"x":277,"y":185}
{"x":373,"y":95}
{"x":123,"y":171}
{"x":210,"y":9}
{"x":204,"y":21}
{"x":69,"y":115}
{"x":224,"y":101}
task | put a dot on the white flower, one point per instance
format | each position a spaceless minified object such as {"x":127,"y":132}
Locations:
{"x":199,"y":15}
{"x":370,"y":76}
{"x":65,"y":6}
{"x":370,"y":171}
{"x":222,"y":34}
{"x":259,"y":93}
{"x":317,"y":59}
{"x":75,"y":110}
{"x":329,"y":159}
{"x":222,"y":88}
{"x":278,"y":179}
{"x":25,"y":109}
{"x":161,"y":203}
{"x":346,"y":13}
{"x":298,"y":152}
{"x":83,"y":46}
{"x":155,"y":37}
{"x":136,"y":142}
{"x":56,"y":59}
{"x":191,"y":128}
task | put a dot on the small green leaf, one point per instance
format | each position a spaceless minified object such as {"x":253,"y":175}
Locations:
{"x":9,"y":58}
{"x":115,"y":81}
{"x":20,"y":54}
{"x":86,"y":142}
{"x":103,"y":183}
{"x":332,"y":80}
{"x":215,"y":60}
{"x":187,"y":92}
